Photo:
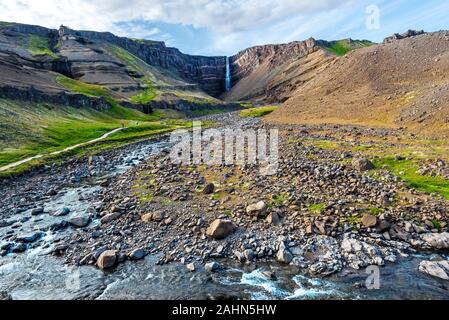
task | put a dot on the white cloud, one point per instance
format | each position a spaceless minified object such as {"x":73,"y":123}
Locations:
{"x":222,"y":16}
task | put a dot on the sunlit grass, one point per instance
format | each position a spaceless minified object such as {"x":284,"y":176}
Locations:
{"x":39,"y":46}
{"x":317,"y":208}
{"x":258,"y":112}
{"x":407,"y":170}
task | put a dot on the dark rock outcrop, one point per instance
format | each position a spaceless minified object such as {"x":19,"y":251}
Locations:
{"x":62,"y":97}
{"x":190,"y":107}
{"x":408,"y":34}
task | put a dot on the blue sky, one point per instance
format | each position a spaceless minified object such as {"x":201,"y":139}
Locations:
{"x":224,"y":27}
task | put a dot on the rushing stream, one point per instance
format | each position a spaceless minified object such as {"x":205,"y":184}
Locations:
{"x":37,"y":274}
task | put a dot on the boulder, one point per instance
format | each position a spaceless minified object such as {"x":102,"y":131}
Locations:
{"x":158,"y":217}
{"x":62,"y":212}
{"x":273,"y":218}
{"x":437,"y":240}
{"x":248,"y":254}
{"x":147,"y":217}
{"x":384,"y":226}
{"x":212,"y":266}
{"x":191,"y":267}
{"x":220,"y":229}
{"x":369,"y":221}
{"x":99,"y":251}
{"x":137,"y":254}
{"x":284,"y":256}
{"x":257,"y":209}
{"x":110,"y":217}
{"x":107,"y":259}
{"x":362,"y":164}
{"x":438,"y":269}
{"x":30,"y":237}
{"x":80,"y":221}
{"x":37,"y":211}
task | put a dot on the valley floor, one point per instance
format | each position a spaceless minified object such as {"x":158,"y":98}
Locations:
{"x":323,"y":219}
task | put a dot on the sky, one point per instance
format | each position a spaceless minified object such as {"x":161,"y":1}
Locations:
{"x":224,"y":27}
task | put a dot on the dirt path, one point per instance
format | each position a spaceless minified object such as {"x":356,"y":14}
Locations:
{"x":15,"y":164}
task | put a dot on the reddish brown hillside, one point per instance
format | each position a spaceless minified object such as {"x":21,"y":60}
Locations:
{"x":403,"y":83}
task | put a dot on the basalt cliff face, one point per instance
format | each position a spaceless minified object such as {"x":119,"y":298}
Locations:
{"x":207,"y":72}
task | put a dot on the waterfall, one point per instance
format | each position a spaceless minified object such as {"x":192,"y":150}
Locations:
{"x":228,"y":75}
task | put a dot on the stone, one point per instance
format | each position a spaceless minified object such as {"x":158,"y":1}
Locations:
{"x":212,"y":266}
{"x":248,"y":254}
{"x":19,"y":248}
{"x":158,"y":217}
{"x":239,"y":256}
{"x":4,"y":296}
{"x":62,"y":212}
{"x":209,"y":188}
{"x":273,"y":218}
{"x":309,"y":229}
{"x":284,"y":256}
{"x":220,"y":229}
{"x":191,"y":267}
{"x":369,"y":221}
{"x":110,"y":217}
{"x":87,"y":259}
{"x":107,"y":259}
{"x":437,"y":240}
{"x":321,"y":227}
{"x":270,"y":275}
{"x":137,"y":254}
{"x":362,"y":164}
{"x":438,"y":269}
{"x":384,"y":226}
{"x":257,"y":209}
{"x":147,"y":217}
{"x":99,"y":251}
{"x":52,"y":192}
{"x":80,"y":221}
{"x":30,"y":237}
{"x":37,"y":211}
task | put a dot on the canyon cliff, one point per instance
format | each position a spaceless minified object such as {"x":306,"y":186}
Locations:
{"x":271,"y":73}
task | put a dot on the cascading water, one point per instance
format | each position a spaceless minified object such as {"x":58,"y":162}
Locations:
{"x":228,"y":75}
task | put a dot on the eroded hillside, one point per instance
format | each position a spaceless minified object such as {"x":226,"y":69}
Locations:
{"x":401,"y":83}
{"x":271,"y":73}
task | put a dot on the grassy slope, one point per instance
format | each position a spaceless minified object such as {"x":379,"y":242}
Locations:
{"x":383,"y":156}
{"x":342,"y":47}
{"x":29,"y":129}
{"x":407,"y":170}
{"x":258,"y":112}
{"x":39,"y":46}
{"x":150,"y":92}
